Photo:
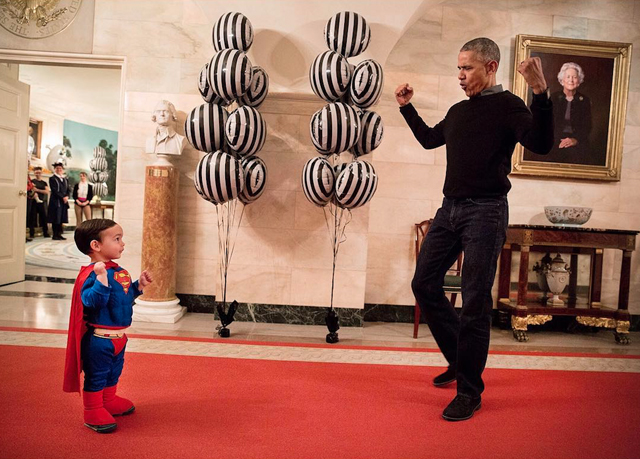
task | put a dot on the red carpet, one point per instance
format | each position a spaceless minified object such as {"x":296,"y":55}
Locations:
{"x":202,"y":407}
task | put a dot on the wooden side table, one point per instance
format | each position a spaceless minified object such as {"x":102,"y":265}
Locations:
{"x":102,"y":206}
{"x":573,"y":240}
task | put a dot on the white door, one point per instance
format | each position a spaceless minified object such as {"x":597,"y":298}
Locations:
{"x":14,"y":125}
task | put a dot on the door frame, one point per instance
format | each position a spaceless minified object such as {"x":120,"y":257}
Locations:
{"x":15,"y":56}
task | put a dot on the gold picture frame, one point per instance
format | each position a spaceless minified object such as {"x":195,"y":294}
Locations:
{"x":596,"y":113}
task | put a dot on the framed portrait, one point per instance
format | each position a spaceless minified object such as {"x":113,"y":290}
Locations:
{"x":588,"y":83}
{"x":34,"y":141}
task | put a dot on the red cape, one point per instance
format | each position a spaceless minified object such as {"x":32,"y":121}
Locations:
{"x":77,"y":328}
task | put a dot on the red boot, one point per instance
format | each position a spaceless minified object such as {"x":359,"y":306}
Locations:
{"x":115,"y":405}
{"x":95,"y":416}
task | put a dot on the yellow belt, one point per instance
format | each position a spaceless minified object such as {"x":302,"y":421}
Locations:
{"x":108,"y":333}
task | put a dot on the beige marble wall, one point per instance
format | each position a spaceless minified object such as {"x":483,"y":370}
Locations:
{"x":411,"y":178}
{"x":283,"y":253}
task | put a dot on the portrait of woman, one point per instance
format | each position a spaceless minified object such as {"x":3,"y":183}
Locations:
{"x":572,"y":117}
{"x":580,"y":88}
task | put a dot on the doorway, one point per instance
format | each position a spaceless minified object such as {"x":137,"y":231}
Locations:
{"x":75,"y":117}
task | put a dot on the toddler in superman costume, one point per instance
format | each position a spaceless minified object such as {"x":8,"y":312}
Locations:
{"x":101,"y":310}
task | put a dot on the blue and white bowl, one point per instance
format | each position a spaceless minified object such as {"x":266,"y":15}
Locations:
{"x":568,"y":215}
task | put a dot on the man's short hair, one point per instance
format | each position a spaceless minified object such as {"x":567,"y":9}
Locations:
{"x":37,"y":168}
{"x":90,"y":230}
{"x":486,"y":49}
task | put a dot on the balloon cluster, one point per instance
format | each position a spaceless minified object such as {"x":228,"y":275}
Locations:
{"x":230,"y":137}
{"x":99,"y":175}
{"x":344,"y":124}
{"x":229,"y":128}
{"x":339,"y":126}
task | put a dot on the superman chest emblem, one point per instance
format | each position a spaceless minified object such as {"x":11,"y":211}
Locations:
{"x":123,"y":278}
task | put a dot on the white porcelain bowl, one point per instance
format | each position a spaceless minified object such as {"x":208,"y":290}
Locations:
{"x":568,"y":215}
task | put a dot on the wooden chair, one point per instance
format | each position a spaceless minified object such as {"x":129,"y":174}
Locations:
{"x":452,"y":280}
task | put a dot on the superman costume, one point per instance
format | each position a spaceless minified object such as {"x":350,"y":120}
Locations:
{"x":96,"y":342}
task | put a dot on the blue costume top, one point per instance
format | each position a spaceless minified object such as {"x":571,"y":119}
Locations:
{"x":112,"y":306}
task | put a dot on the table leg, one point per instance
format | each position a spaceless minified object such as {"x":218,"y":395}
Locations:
{"x":573,"y":281}
{"x":596,"y":279}
{"x":622,"y":315}
{"x":523,"y":277}
{"x":504,"y":275}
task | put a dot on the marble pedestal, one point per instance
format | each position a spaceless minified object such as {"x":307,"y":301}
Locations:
{"x":159,"y":247}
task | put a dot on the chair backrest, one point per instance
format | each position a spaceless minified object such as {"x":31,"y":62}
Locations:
{"x":422,"y":229}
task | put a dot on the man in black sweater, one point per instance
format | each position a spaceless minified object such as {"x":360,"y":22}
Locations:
{"x":480,"y":135}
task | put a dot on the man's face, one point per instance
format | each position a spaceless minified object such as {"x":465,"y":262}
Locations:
{"x":472,"y":73}
{"x":37,"y":173}
{"x":163,"y":115}
{"x":59,"y":170}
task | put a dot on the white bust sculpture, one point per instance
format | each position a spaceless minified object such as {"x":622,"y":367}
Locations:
{"x":166,"y":141}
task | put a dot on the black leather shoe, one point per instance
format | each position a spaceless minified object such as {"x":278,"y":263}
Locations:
{"x":445,"y":378}
{"x":461,"y":408}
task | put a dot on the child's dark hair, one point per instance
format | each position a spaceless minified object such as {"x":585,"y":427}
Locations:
{"x":89,"y":230}
{"x":37,"y":168}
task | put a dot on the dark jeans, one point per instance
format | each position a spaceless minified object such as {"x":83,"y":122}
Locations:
{"x":478,"y":228}
{"x":38,"y":211}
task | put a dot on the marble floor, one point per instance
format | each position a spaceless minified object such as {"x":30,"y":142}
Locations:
{"x":35,"y":312}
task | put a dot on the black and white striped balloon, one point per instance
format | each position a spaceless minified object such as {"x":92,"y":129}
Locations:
{"x":356,"y":185}
{"x":259,"y":89}
{"x":94,"y":177}
{"x":371,"y":133}
{"x":366,"y":84}
{"x":255,"y":179}
{"x":98,"y":164}
{"x":232,"y":31}
{"x":245,"y":131}
{"x":206,"y":91}
{"x":318,"y":180}
{"x":99,"y":152}
{"x":204,"y":127}
{"x":334,"y":128}
{"x":329,"y":75}
{"x":347,"y":33}
{"x":100,"y":189}
{"x":338,"y":168}
{"x":230,"y":74}
{"x":219,"y":177}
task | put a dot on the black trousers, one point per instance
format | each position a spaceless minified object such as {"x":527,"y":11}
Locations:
{"x":37,"y":212}
{"x":478,"y":228}
{"x":57,"y":229}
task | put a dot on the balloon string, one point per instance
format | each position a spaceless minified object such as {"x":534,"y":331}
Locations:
{"x":220,"y":222}
{"x":235,"y":239}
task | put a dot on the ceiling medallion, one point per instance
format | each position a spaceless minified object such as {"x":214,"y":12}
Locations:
{"x":37,"y":18}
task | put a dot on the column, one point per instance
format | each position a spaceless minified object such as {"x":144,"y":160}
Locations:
{"x":159,"y":246}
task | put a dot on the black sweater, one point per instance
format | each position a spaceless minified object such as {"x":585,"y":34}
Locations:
{"x":480,"y":134}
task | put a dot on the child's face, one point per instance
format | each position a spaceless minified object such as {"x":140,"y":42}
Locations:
{"x":111,"y":246}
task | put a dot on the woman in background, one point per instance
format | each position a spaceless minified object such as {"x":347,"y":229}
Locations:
{"x":572,"y":118}
{"x":82,"y":196}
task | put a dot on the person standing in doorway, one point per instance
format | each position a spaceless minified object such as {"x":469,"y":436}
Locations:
{"x":58,"y":212}
{"x":82,"y":196}
{"x":38,"y":211}
{"x":480,"y":135}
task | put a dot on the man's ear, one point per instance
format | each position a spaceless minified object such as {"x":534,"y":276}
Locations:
{"x":95,"y":245}
{"x":492,"y":67}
